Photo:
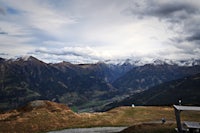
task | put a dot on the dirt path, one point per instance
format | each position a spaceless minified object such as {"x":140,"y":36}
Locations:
{"x":91,"y":130}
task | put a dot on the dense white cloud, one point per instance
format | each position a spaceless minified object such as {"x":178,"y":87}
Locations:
{"x":93,"y":30}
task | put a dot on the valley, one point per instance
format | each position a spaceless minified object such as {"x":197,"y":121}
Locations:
{"x":87,"y":87}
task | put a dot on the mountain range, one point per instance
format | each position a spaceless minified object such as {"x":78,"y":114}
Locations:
{"x":83,"y":87}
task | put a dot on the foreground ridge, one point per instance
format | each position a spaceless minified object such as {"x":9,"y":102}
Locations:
{"x":43,"y":116}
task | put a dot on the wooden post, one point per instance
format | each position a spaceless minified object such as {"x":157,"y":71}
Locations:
{"x":178,"y":120}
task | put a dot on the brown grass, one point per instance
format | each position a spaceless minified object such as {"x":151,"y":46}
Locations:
{"x":56,"y":116}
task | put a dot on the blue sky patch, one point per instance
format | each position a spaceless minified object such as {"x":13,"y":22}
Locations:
{"x":12,"y":11}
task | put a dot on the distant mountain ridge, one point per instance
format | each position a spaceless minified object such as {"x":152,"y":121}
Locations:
{"x":132,"y":61}
{"x":142,"y":62}
{"x":149,"y":75}
{"x":84,"y":86}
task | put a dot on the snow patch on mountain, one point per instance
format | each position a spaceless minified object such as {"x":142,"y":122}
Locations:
{"x":125,"y":61}
{"x":142,"y":62}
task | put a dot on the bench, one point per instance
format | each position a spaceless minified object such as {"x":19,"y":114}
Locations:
{"x":191,"y":126}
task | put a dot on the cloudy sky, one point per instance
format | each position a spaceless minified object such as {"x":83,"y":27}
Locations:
{"x":92,"y":30}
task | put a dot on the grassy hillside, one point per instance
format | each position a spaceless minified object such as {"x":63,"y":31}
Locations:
{"x":41,"y":116}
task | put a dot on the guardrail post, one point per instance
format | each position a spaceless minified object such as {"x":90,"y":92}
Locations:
{"x":178,"y":120}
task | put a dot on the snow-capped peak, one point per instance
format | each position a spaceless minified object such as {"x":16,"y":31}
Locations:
{"x":141,"y":62}
{"x":25,"y":58}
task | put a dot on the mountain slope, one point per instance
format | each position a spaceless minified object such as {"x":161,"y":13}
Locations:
{"x":144,"y":77}
{"x":169,"y":93}
{"x":26,"y":80}
{"x":37,"y":116}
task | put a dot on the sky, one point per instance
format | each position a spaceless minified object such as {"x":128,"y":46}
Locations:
{"x":86,"y":31}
